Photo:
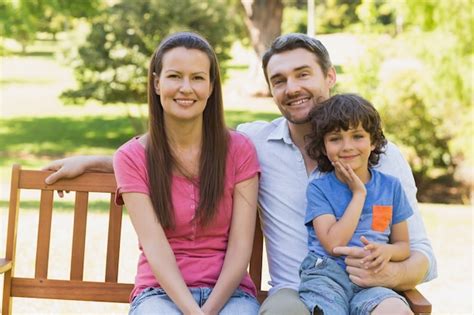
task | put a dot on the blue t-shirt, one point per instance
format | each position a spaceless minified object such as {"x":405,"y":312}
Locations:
{"x":385,"y":205}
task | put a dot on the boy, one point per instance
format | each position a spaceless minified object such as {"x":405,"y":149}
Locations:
{"x":351,"y":204}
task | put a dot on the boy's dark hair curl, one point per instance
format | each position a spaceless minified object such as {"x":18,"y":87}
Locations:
{"x":343,"y":111}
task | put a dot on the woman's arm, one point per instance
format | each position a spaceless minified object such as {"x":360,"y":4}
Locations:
{"x":76,"y":165}
{"x":239,"y":247}
{"x":158,"y":251}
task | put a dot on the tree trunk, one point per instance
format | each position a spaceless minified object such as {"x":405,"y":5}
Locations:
{"x":263,"y":20}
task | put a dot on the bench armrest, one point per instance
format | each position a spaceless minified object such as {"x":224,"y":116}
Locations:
{"x":418,"y":303}
{"x":5,"y":265}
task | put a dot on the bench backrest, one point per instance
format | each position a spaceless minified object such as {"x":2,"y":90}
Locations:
{"x":75,"y":288}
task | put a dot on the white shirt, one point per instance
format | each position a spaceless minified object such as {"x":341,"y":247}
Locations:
{"x":282,"y":197}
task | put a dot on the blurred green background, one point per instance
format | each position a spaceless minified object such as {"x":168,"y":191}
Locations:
{"x":412,"y":59}
{"x":73,"y":81}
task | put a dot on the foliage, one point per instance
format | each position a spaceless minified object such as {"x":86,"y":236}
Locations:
{"x":330,"y":15}
{"x":422,"y":80}
{"x":113,"y":62}
{"x":23,"y":19}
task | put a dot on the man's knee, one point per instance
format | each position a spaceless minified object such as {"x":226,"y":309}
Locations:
{"x":283,"y":302}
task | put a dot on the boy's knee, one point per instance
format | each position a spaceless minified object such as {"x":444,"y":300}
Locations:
{"x":392,"y":306}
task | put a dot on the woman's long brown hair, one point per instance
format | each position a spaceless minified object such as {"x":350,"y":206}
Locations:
{"x":160,"y":157}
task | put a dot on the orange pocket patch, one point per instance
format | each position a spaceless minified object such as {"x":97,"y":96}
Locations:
{"x":381,"y":217}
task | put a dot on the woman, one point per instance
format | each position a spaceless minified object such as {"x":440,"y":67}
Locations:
{"x":190,"y":186}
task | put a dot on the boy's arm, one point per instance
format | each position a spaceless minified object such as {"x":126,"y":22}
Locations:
{"x":381,"y":254}
{"x":400,"y":241}
{"x":76,"y":165}
{"x":333,"y":233}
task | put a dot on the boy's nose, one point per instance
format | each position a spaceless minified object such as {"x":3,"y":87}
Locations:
{"x":347,"y":144}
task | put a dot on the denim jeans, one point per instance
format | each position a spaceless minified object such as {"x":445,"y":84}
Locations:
{"x":326,"y":287}
{"x":156,"y":301}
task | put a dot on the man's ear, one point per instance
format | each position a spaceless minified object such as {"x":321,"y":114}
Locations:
{"x":331,"y":77}
{"x":156,"y":83}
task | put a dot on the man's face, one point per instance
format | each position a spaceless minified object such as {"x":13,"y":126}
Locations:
{"x":298,"y":83}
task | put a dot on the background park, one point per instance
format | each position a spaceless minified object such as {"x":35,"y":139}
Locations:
{"x":73,"y":81}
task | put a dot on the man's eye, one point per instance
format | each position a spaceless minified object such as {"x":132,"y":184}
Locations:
{"x":277,"y":82}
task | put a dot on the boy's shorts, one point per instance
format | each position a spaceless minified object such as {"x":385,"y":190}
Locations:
{"x":326,"y":287}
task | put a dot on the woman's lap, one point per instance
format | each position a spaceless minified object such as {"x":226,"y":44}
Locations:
{"x":156,"y":301}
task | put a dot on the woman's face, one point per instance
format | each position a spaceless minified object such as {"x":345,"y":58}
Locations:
{"x":184,"y":84}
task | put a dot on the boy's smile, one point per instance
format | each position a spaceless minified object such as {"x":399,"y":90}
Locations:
{"x":352,"y":147}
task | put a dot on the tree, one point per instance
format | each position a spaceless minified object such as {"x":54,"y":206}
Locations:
{"x":426,"y":100}
{"x":23,"y":19}
{"x":263,"y":20}
{"x":113,"y":62}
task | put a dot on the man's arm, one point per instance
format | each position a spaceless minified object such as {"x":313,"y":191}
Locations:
{"x":399,"y":276}
{"x":76,"y":165}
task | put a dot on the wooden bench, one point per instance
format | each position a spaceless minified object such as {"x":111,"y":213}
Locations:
{"x":76,"y":288}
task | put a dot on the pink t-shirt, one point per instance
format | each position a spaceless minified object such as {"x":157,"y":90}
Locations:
{"x":199,"y":251}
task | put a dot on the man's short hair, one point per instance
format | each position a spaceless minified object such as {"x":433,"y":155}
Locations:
{"x":297,"y":40}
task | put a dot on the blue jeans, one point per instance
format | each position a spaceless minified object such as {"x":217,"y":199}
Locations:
{"x":327,"y":288}
{"x":156,"y":301}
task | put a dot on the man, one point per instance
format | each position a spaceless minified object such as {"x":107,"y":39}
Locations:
{"x":300,"y":75}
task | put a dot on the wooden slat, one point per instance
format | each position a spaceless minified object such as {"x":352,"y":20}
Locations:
{"x":261,"y":295}
{"x":79,"y":235}
{"x":91,"y":182}
{"x":255,"y":268}
{"x":418,"y":303}
{"x":113,"y":241}
{"x":44,"y":234}
{"x":71,"y":290}
{"x":10,"y":252}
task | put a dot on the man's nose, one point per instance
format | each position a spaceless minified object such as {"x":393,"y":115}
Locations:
{"x":292,"y":87}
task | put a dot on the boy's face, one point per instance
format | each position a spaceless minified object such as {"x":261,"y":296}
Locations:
{"x":298,"y":83}
{"x":351,"y":147}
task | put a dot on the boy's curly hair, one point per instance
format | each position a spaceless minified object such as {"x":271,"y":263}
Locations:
{"x":343,"y":111}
